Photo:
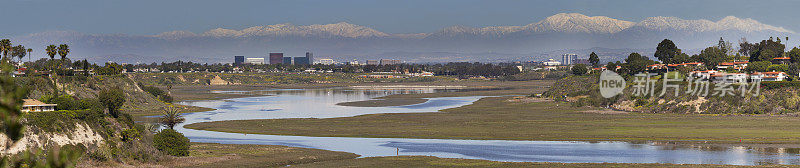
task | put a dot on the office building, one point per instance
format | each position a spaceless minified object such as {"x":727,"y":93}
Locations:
{"x":238,"y":60}
{"x":390,"y":62}
{"x":372,"y":62}
{"x":301,"y":61}
{"x":275,"y":58}
{"x":287,"y":60}
{"x":254,"y":61}
{"x":567,"y":59}
{"x":310,"y":57}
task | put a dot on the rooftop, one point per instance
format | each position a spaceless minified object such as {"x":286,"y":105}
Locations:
{"x":34,"y":102}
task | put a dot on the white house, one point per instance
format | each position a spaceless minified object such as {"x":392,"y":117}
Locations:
{"x":33,"y":105}
{"x":769,"y":76}
{"x":729,"y":77}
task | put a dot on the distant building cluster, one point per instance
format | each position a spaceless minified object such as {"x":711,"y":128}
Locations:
{"x":279,"y":58}
{"x":275,"y":58}
{"x":384,"y":62}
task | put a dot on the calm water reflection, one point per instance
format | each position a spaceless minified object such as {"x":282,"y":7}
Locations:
{"x":321,"y":103}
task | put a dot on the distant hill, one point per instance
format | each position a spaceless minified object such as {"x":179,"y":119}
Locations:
{"x":563,"y":32}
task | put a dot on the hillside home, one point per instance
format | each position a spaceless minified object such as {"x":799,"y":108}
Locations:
{"x":768,"y":76}
{"x":735,"y":65}
{"x":702,"y":74}
{"x":688,"y":64}
{"x":781,"y":60}
{"x":729,"y":77}
{"x":33,"y":105}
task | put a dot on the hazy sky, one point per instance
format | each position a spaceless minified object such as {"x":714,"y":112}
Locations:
{"x":147,"y":17}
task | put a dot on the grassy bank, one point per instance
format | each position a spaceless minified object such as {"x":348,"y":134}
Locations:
{"x":427,"y":161}
{"x":239,"y":155}
{"x":497,"y":118}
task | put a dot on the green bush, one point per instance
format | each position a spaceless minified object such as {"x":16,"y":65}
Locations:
{"x":157,"y":92}
{"x":130,"y":134}
{"x":171,"y":142}
{"x":768,"y":85}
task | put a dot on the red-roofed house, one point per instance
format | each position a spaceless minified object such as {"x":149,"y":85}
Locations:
{"x":769,"y":76}
{"x":736,"y":65}
{"x":781,"y":60}
{"x":702,"y":74}
{"x":729,"y":77}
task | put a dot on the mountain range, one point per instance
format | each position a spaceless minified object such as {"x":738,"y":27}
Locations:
{"x":563,"y":32}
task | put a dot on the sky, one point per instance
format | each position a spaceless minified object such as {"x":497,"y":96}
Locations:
{"x":149,"y":17}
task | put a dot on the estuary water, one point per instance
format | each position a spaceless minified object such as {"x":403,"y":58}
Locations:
{"x":321,"y":103}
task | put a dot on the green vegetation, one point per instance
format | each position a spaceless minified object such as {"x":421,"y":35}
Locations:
{"x":766,"y":50}
{"x":242,"y":155}
{"x":171,"y":117}
{"x":667,"y":51}
{"x":594,"y":60}
{"x":540,"y":75}
{"x":579,"y":69}
{"x":171,"y":142}
{"x":112,"y":99}
{"x":157,"y":92}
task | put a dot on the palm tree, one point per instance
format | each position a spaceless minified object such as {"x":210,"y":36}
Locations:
{"x":30,"y":50}
{"x":63,"y":50}
{"x":171,"y":117}
{"x":19,"y":52}
{"x":5,"y":47}
{"x":52,"y":50}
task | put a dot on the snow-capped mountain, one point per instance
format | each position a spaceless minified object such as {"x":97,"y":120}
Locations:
{"x":341,"y":29}
{"x":348,"y":41}
{"x":729,"y":23}
{"x":578,"y":23}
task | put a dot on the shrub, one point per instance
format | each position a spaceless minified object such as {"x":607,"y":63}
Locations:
{"x":130,"y":134}
{"x":112,"y":99}
{"x":171,"y":142}
{"x":579,"y":69}
{"x":65,"y":102}
{"x":768,"y":85}
{"x":157,"y":92}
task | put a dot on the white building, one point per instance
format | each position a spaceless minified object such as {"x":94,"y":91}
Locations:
{"x":327,"y":61}
{"x":768,"y":76}
{"x":33,"y":105}
{"x":729,"y":77}
{"x":422,"y":74}
{"x":551,"y":62}
{"x":566,"y":59}
{"x":255,"y":61}
{"x":354,"y":62}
